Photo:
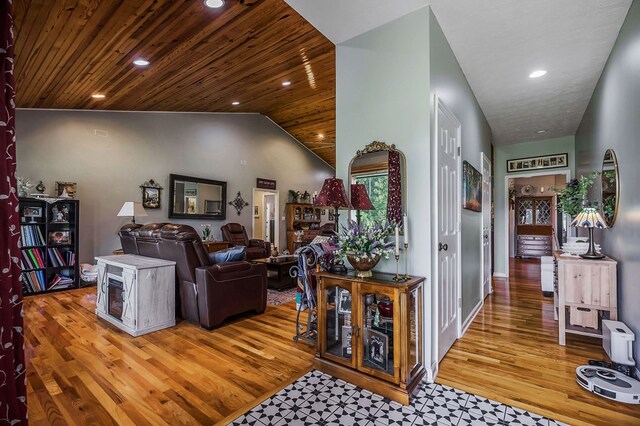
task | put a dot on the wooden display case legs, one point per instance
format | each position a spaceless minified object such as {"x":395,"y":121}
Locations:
{"x":400,"y":394}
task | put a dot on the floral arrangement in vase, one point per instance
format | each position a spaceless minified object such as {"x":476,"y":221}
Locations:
{"x":206,"y":232}
{"x":364,"y":245}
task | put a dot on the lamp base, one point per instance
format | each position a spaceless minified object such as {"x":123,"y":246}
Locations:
{"x":592,"y":256}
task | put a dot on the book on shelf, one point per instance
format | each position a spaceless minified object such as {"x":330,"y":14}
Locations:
{"x":60,"y":281}
{"x":32,"y":258}
{"x":31,"y":235}
{"x":33,"y":280}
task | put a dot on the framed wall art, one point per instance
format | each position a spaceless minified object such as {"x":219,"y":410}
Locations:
{"x":554,"y":161}
{"x":65,"y":189}
{"x":471,"y":188}
{"x":151,"y":194}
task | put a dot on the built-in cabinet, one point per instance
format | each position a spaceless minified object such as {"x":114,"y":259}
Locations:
{"x":305,"y":218}
{"x":370,"y":332}
{"x":534,"y":226}
{"x":585,"y":293}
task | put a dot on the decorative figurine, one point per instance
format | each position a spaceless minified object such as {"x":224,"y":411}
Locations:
{"x":40,"y":187}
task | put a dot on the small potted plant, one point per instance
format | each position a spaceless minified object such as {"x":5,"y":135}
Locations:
{"x":364,"y":245}
{"x":573,"y":198}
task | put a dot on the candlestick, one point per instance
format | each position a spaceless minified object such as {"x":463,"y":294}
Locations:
{"x":397,"y":241}
{"x":398,"y":277}
{"x":406,"y":260}
{"x":405,"y":221}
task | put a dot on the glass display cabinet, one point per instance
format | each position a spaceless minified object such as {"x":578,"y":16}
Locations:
{"x":370,"y":332}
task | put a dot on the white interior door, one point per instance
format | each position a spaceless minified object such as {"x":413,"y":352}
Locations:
{"x":448,"y":234}
{"x":486,"y":226}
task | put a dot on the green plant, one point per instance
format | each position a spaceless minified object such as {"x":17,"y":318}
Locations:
{"x":573,"y":198}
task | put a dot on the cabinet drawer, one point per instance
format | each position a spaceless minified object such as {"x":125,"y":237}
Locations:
{"x":533,"y":238}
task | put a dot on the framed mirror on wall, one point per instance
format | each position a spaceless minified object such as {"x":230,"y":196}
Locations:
{"x":381,"y":168}
{"x":197,"y":198}
{"x":610,"y":187}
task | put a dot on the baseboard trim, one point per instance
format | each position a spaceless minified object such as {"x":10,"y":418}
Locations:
{"x":432,"y":372}
{"x":500,"y":275}
{"x":471,"y":317}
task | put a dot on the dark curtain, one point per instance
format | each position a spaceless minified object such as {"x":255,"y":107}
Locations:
{"x":13,"y":397}
{"x":394,"y":198}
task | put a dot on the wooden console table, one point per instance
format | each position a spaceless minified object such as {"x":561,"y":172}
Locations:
{"x":585,"y":291}
{"x":370,"y":332}
{"x":136,"y":293}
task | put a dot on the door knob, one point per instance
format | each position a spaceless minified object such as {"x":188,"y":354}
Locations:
{"x":442,"y":247}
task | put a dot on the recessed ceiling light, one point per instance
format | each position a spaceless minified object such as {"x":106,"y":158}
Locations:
{"x":286,"y":83}
{"x":214,"y":3}
{"x":235,"y":103}
{"x":141,"y":62}
{"x":98,"y":96}
{"x":320,"y":135}
{"x":538,"y":73}
{"x":542,"y":131}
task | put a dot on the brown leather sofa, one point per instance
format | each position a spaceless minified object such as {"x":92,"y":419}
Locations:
{"x":208,"y":294}
{"x":237,"y":234}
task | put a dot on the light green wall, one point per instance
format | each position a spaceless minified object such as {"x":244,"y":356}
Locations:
{"x":450,"y":85}
{"x":386,"y":80}
{"x":509,"y":152}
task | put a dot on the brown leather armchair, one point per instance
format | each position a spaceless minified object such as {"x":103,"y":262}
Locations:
{"x":208,"y":293}
{"x":237,"y":235}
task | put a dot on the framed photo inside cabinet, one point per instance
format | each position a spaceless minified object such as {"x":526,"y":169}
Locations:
{"x":59,"y":237}
{"x":376,"y":347}
{"x":31,"y":212}
{"x":344,"y":302}
{"x":347,"y":332}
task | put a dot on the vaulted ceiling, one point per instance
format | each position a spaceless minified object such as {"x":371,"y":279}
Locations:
{"x":201,"y":60}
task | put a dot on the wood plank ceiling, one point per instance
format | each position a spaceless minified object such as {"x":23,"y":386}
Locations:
{"x":202,"y":59}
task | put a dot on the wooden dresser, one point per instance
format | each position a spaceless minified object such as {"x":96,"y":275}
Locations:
{"x":585,"y":292}
{"x":370,"y":332}
{"x":534,"y":245}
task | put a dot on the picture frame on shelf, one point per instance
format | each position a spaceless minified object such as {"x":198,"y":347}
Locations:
{"x":151,"y":195}
{"x":344,"y":301}
{"x":65,"y":189}
{"x":376,"y":348}
{"x":347,"y":333}
{"x":554,"y":161}
{"x":59,"y":237}
{"x":32,"y":213}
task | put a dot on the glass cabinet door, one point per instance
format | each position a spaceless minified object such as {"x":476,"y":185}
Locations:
{"x":415,"y":329}
{"x":338,"y":332}
{"x":377,"y":337}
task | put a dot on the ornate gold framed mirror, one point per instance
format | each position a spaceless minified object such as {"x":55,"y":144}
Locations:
{"x":381,"y":168}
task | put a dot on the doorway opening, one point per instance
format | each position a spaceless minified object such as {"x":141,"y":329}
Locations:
{"x":265,"y":216}
{"x":535,"y":227}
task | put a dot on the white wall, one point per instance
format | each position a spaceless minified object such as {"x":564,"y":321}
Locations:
{"x":62,"y":145}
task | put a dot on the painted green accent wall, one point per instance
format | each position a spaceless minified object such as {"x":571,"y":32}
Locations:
{"x":509,"y":152}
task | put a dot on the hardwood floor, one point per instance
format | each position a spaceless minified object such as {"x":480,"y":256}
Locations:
{"x":511,"y":354}
{"x":83,"y":371}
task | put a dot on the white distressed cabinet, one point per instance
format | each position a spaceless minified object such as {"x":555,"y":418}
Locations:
{"x":136,"y":293}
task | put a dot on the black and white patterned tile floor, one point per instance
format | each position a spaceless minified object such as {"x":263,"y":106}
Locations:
{"x":319,"y":399}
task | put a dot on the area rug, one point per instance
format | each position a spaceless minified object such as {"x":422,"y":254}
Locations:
{"x":320,"y":399}
{"x":275,"y":297}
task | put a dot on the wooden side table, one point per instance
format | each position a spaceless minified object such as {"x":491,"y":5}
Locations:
{"x":213,"y":246}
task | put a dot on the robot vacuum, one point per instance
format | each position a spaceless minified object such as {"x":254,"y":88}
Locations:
{"x":609,"y":383}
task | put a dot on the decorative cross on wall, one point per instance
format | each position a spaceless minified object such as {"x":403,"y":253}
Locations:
{"x":238,"y":203}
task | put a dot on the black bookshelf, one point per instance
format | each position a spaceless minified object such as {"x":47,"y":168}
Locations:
{"x":49,"y":245}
